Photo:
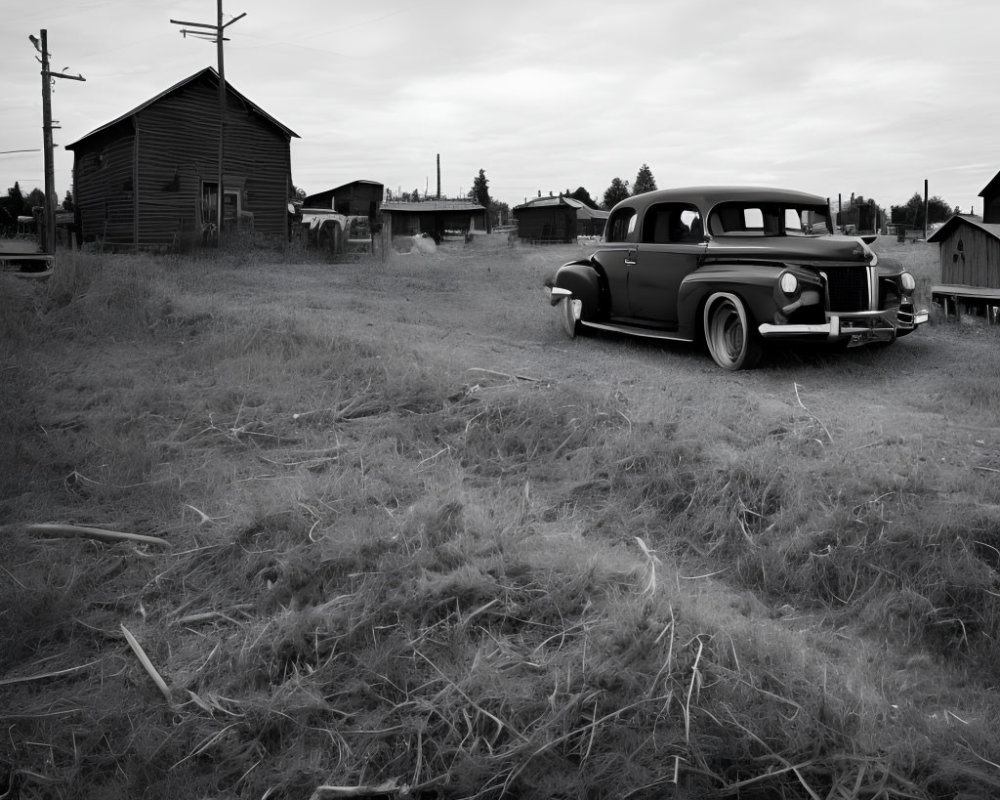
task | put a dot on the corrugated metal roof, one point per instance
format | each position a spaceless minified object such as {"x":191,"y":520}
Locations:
{"x":432,"y":205}
{"x":208,"y":71}
{"x":562,"y":200}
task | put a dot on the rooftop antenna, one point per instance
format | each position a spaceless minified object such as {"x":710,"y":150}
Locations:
{"x":214,"y":33}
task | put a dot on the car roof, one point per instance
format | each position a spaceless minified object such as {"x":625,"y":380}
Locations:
{"x":708,"y":196}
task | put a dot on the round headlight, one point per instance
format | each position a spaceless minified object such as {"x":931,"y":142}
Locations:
{"x":907,"y":282}
{"x":789,"y":283}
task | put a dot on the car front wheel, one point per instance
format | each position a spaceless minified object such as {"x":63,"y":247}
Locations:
{"x":569,"y":312}
{"x":731,"y":340}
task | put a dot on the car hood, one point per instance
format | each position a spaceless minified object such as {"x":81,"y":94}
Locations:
{"x":796,"y":249}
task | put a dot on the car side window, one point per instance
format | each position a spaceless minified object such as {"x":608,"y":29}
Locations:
{"x":667,"y":223}
{"x":621,"y":225}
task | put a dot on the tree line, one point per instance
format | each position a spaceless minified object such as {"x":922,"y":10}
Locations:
{"x":18,"y":204}
{"x":911,"y":213}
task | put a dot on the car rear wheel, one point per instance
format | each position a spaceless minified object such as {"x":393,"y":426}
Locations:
{"x":731,"y":340}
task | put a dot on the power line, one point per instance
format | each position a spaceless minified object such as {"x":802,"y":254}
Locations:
{"x":202,"y":30}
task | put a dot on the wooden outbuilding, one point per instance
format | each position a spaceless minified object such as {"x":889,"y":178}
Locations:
{"x":150,"y":178}
{"x":558,"y":219}
{"x":436,"y":218}
{"x":991,"y":200}
{"x":970,"y":266}
{"x":360,"y":198}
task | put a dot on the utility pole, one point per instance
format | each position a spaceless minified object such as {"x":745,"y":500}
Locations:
{"x":49,"y":224}
{"x":215,"y":33}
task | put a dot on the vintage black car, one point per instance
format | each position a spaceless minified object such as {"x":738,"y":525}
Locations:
{"x":734,"y":267}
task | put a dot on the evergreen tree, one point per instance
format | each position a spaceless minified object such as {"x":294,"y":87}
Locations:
{"x":480,"y":190}
{"x":644,"y":181}
{"x":616,"y":192}
{"x":35,"y":198}
{"x":15,"y":200}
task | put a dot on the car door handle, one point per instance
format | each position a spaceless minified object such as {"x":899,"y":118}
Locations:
{"x":630,"y":258}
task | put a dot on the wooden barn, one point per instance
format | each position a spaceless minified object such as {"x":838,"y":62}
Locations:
{"x":970,"y":266}
{"x":359,"y":198}
{"x":149,"y":179}
{"x":557,"y":219}
{"x":437,"y":218}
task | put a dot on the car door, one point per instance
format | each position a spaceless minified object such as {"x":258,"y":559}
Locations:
{"x":671,"y":246}
{"x":615,"y":256}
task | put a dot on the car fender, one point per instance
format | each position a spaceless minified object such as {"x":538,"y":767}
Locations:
{"x":753,"y":284}
{"x":583,"y":281}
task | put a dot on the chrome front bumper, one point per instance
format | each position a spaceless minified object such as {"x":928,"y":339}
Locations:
{"x":870,"y":326}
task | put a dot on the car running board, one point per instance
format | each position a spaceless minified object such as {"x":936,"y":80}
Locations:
{"x":636,"y":331}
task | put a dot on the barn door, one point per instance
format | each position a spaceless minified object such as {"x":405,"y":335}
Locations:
{"x":210,"y":205}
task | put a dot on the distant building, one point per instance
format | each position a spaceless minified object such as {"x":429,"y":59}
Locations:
{"x":860,"y":216}
{"x":558,"y":219}
{"x":991,"y":200}
{"x":150,"y":178}
{"x":360,"y":198}
{"x":436,"y":218}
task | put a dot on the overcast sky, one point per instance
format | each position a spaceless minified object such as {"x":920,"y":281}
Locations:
{"x":866,"y":97}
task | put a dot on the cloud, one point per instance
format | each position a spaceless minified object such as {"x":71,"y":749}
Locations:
{"x":548,"y":95}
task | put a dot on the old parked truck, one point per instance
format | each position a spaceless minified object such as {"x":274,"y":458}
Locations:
{"x":333,"y":232}
{"x":24,"y":256}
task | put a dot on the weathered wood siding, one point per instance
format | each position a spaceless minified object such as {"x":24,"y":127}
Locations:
{"x":547,"y":223}
{"x":139,"y":183}
{"x":971,"y":256}
{"x":103,"y":186}
{"x":359,"y":199}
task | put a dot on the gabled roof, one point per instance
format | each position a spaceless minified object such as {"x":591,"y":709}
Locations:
{"x":583,"y":211}
{"x":209,"y":73}
{"x":956,"y":220}
{"x":992,"y":188}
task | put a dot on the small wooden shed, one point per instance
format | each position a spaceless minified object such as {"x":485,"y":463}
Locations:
{"x":970,"y":266}
{"x":558,"y":219}
{"x":991,"y":200}
{"x":436,"y":218}
{"x":360,"y":198}
{"x":150,"y":178}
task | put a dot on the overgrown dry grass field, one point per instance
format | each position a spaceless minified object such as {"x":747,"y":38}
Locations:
{"x":393,"y":535}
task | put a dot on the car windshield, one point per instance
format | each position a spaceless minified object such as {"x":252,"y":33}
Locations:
{"x":768,"y":219}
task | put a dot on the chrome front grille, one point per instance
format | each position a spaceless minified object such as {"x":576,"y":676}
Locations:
{"x":849,"y":289}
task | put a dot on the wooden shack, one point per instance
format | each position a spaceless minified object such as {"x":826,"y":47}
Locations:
{"x":150,"y":178}
{"x":360,"y":198}
{"x":436,"y":218}
{"x":970,"y":267}
{"x":557,"y":219}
